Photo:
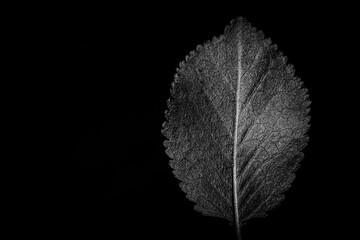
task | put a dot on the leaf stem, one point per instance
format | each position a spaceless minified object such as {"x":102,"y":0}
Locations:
{"x":238,"y":233}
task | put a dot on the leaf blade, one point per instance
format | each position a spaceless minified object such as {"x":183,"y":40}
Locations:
{"x":250,"y":119}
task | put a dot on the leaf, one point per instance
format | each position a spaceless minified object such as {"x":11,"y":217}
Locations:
{"x":236,"y":125}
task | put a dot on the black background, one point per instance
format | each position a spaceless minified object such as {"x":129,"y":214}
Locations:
{"x":108,"y":74}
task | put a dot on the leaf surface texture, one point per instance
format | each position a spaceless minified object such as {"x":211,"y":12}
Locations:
{"x":236,"y":125}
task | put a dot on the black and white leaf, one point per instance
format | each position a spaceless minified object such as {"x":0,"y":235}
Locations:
{"x":236,"y":125}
